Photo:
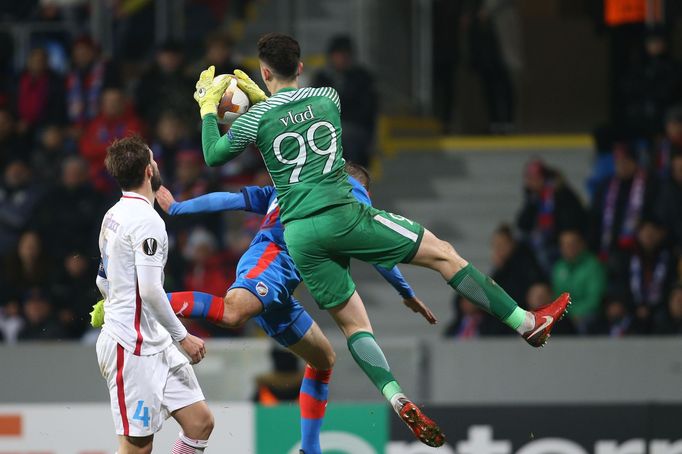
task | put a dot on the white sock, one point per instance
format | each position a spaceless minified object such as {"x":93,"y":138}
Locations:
{"x":395,"y":402}
{"x":527,"y":324}
{"x":186,"y":445}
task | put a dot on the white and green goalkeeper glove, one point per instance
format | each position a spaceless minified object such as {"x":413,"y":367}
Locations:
{"x":248,"y":86}
{"x":209,"y":90}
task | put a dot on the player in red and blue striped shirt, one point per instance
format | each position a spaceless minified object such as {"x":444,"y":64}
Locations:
{"x":263,"y":290}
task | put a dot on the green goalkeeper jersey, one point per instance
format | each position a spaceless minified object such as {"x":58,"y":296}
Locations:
{"x":298,"y":132}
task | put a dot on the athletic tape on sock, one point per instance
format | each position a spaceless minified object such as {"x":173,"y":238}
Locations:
{"x":200,"y":444}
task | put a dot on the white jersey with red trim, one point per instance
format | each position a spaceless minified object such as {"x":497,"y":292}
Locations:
{"x":132,"y":234}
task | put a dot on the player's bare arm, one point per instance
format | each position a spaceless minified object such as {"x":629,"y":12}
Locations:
{"x":419,"y":307}
{"x":164,"y":198}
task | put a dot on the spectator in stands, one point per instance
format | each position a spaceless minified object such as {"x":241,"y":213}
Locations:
{"x":39,"y":321}
{"x":672,"y":324}
{"x":90,"y":75}
{"x":580,"y":273}
{"x":669,"y":204}
{"x":650,"y":86}
{"x":165,"y":87}
{"x":540,"y":295}
{"x":646,"y":274}
{"x":11,"y":321}
{"x":190,"y":175}
{"x":48,"y":156}
{"x":471,"y":322}
{"x":283,"y":383}
{"x":73,"y":293}
{"x":671,"y":143}
{"x":171,"y":136}
{"x":27,"y":267}
{"x":620,"y":202}
{"x":117,"y":119}
{"x":617,"y":319}
{"x":18,"y":198}
{"x":206,"y":272}
{"x":550,"y":206}
{"x":40,"y":93}
{"x":70,"y":215}
{"x":11,"y":144}
{"x":515,"y":267}
{"x":495,"y":52}
{"x":358,"y":98}
{"x":219,"y":53}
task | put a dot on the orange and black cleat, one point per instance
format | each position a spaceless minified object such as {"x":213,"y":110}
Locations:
{"x":545,"y":319}
{"x":421,"y":425}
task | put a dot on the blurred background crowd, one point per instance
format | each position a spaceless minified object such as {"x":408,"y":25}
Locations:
{"x":618,"y":252}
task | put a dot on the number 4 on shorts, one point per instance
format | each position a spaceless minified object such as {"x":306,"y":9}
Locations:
{"x":142,"y":413}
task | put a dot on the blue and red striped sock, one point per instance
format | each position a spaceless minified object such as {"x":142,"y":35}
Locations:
{"x":197,"y":305}
{"x":313,"y":402}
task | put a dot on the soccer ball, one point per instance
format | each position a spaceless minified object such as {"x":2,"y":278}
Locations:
{"x":233,"y":103}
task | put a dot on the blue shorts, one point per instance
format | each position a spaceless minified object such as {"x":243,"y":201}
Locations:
{"x":267,"y":271}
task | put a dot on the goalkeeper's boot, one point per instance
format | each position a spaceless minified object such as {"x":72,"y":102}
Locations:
{"x":421,"y":425}
{"x":97,"y":314}
{"x":545,"y":319}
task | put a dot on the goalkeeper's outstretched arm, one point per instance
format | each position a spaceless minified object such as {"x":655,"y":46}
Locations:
{"x":220,"y":149}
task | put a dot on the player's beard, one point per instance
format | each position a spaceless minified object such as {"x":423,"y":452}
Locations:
{"x":156,"y":180}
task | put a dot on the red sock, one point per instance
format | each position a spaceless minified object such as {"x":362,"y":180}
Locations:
{"x":197,"y":305}
{"x":313,"y":403}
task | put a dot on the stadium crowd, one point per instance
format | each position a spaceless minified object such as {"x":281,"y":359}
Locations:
{"x":618,"y":255}
{"x":56,"y":120}
{"x":54,"y":131}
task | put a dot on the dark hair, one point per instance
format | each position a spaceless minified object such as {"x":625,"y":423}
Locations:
{"x":677,"y":153}
{"x":573,"y":231}
{"x":340,"y":43}
{"x":281,"y":53}
{"x":674,"y":114}
{"x":677,"y":286}
{"x":170,"y":46}
{"x":505,"y":229}
{"x":219,"y":37}
{"x":127,"y":160}
{"x":359,"y":173}
{"x":652,"y":220}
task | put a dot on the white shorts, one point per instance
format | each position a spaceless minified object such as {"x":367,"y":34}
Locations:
{"x":145,"y":390}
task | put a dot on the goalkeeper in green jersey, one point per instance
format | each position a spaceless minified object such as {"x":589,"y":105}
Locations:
{"x":298,"y":132}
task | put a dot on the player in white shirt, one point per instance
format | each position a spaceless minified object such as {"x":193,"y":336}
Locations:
{"x":149,"y":378}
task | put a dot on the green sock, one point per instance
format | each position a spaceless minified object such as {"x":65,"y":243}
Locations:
{"x":486,"y":294}
{"x":367,"y":353}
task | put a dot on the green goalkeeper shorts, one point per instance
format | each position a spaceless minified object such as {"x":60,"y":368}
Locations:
{"x":323,"y":244}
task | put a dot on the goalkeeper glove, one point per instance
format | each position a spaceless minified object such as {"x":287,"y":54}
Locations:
{"x":209,"y":91}
{"x":97,"y":315}
{"x":248,"y":86}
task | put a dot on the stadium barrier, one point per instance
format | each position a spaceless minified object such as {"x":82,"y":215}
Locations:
{"x":493,"y":396}
{"x":487,"y":371}
{"x":366,"y":429}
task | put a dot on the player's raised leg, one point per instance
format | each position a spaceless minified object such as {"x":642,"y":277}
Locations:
{"x":534,"y":326}
{"x":231,"y":311}
{"x":352,"y":318}
{"x":286,"y":322}
{"x":196,"y":422}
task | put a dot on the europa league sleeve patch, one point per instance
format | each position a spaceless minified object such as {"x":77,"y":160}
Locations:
{"x":149,"y":246}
